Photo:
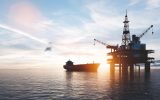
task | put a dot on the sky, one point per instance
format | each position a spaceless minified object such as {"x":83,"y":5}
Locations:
{"x":26,"y":27}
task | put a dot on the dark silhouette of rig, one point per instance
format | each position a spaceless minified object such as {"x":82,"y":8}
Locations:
{"x":131,"y":52}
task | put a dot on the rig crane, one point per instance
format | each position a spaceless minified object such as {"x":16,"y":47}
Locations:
{"x":95,"y":40}
{"x":136,"y":39}
{"x":112,"y":47}
{"x":141,"y":35}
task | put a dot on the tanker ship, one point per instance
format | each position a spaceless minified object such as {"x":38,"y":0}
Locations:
{"x":91,"y":67}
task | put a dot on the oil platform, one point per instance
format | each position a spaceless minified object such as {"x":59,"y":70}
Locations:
{"x":131,"y":52}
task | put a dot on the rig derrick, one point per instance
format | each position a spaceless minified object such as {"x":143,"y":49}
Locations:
{"x":131,"y":52}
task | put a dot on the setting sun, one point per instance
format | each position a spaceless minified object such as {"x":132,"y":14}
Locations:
{"x":103,"y":67}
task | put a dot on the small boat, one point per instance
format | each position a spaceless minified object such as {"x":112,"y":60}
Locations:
{"x":91,"y":67}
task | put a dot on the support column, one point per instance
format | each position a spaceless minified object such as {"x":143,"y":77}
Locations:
{"x":112,"y":67}
{"x":120,"y":65}
{"x":125,"y":70}
{"x":147,"y":66}
{"x":131,"y":71}
{"x":112,"y":70}
{"x":120,"y":68}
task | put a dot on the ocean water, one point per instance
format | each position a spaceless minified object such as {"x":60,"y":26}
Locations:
{"x":53,"y":84}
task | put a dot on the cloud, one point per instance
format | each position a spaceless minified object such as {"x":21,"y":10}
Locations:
{"x":22,"y":33}
{"x":75,"y":53}
{"x":102,"y":20}
{"x":151,"y":4}
{"x":24,"y":13}
{"x":103,"y":17}
{"x":133,"y":2}
{"x":26,"y":59}
{"x":26,"y":16}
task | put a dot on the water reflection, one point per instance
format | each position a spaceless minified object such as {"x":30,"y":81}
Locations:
{"x":78,"y":84}
{"x":68,"y":76}
{"x":130,"y":84}
{"x":59,"y":84}
{"x":125,"y":85}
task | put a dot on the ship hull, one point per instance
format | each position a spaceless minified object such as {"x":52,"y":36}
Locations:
{"x":82,"y":67}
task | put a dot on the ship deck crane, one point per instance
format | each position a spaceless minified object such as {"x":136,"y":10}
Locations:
{"x":112,"y":47}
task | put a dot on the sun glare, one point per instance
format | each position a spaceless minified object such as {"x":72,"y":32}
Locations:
{"x":103,"y":67}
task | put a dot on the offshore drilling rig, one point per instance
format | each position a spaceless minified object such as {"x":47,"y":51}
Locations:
{"x":131,"y":52}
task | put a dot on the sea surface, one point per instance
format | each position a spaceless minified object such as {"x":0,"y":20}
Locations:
{"x":55,"y":84}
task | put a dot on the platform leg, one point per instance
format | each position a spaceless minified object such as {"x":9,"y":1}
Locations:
{"x":131,"y":71}
{"x":147,"y":67}
{"x":112,"y":68}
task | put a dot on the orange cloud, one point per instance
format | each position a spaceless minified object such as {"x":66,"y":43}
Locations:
{"x":25,"y":15}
